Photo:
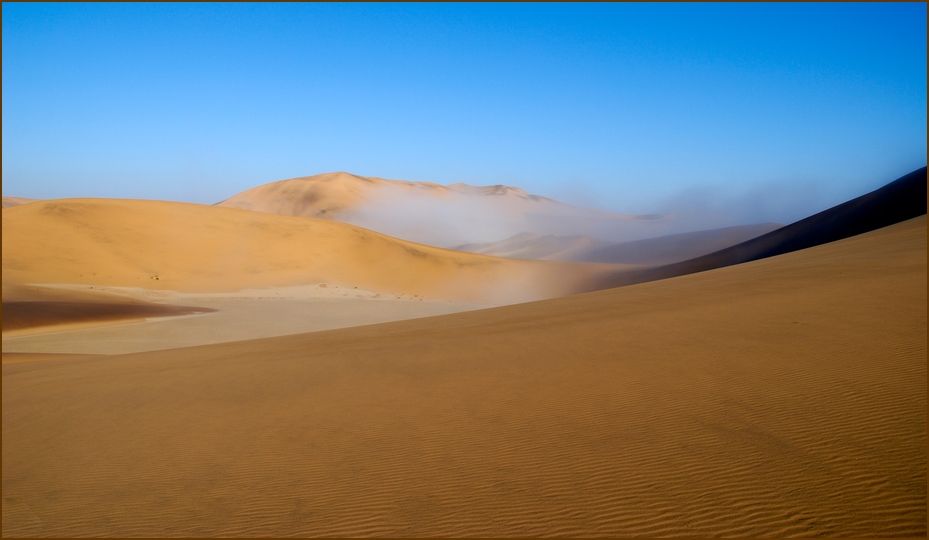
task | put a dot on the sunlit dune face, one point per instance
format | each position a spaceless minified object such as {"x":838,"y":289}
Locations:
{"x":187,"y":247}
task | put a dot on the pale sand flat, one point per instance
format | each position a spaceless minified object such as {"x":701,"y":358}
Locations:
{"x":781,"y":397}
{"x":244,"y":315}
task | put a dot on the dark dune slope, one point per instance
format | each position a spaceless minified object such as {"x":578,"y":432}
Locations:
{"x":22,"y":315}
{"x":902,"y":199}
{"x":32,"y":306}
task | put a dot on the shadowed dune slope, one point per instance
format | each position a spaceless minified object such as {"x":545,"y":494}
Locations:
{"x":30,"y":307}
{"x":902,"y":199}
{"x":23,"y":315}
{"x":676,"y":247}
{"x":781,"y":397}
{"x":197,"y":248}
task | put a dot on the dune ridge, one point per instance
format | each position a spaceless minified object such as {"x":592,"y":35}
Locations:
{"x":900,"y":200}
{"x":781,"y":397}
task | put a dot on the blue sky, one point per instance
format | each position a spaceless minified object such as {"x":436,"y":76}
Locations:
{"x":767,"y":110}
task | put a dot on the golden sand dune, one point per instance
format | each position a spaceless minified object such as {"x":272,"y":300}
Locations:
{"x":16,"y":201}
{"x":781,"y":397}
{"x":439,"y":215}
{"x":189,"y":247}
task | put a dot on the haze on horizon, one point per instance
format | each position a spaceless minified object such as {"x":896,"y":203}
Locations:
{"x":758,"y":112}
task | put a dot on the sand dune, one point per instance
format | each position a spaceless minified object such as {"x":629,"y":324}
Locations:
{"x":439,"y":215}
{"x":649,"y":252}
{"x":16,"y":201}
{"x":196,"y":248}
{"x":902,"y":199}
{"x":781,"y":397}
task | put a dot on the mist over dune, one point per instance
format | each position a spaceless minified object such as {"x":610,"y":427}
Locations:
{"x":443,"y":216}
{"x":647,"y":252}
{"x":9,"y":202}
{"x":188,"y":247}
{"x":538,"y":247}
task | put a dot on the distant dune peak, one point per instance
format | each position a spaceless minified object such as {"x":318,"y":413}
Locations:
{"x":443,"y":216}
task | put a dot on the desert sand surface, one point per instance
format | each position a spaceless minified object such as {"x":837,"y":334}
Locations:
{"x":236,"y":316}
{"x":183,"y":247}
{"x":648,"y":252}
{"x":780,"y":397}
{"x":16,"y":201}
{"x":16,"y":358}
{"x":443,"y":216}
